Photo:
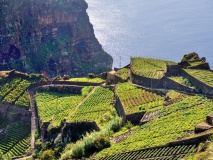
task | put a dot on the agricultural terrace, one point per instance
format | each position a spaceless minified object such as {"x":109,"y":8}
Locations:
{"x":180,"y":118}
{"x":55,"y":107}
{"x":123,"y":73}
{"x":205,"y":76}
{"x":181,"y":80}
{"x":97,"y":107}
{"x":162,"y":153}
{"x":86,"y":79}
{"x":195,"y":63}
{"x":136,"y":100}
{"x":14,"y":138}
{"x":149,"y":67}
{"x":14,"y":92}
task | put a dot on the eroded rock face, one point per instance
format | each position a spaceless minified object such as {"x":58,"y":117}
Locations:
{"x":50,"y":37}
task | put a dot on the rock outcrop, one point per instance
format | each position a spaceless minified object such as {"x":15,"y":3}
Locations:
{"x":50,"y":37}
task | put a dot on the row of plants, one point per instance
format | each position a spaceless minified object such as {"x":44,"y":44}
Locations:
{"x":169,"y":153}
{"x":86,"y":79}
{"x":149,"y":67}
{"x":136,"y":99}
{"x":55,"y":107}
{"x":17,"y":92}
{"x":181,"y":80}
{"x":97,"y":107}
{"x":205,"y":76}
{"x":180,"y":119}
{"x":123,"y":73}
{"x":15,"y":140}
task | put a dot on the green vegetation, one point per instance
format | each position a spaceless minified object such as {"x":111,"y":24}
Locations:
{"x":55,"y":107}
{"x":205,"y":76}
{"x":14,"y":92}
{"x":123,"y":73}
{"x":135,"y":99}
{"x":86,"y":90}
{"x":162,"y":153}
{"x":180,"y":118}
{"x":150,"y":68}
{"x":181,"y":80}
{"x":14,"y":139}
{"x":86,"y":79}
{"x":97,"y":107}
{"x":92,"y":142}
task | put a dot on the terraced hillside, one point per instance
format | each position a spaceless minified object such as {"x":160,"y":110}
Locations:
{"x":161,"y":153}
{"x":97,"y":107}
{"x":205,"y":76}
{"x":14,"y":138}
{"x":149,"y":67}
{"x":55,"y":107}
{"x":180,"y":119}
{"x":14,"y":92}
{"x":137,"y":100}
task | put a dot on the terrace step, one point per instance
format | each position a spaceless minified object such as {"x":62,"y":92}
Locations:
{"x":209,"y":119}
{"x":203,"y":126}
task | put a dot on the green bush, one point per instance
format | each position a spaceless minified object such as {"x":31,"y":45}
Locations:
{"x":86,"y":90}
{"x":77,"y":150}
{"x":48,"y":155}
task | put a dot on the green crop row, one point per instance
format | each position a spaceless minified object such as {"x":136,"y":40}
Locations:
{"x":16,"y":92}
{"x":180,"y":118}
{"x":149,"y":67}
{"x":23,"y":101}
{"x":97,"y":107}
{"x":204,"y":76}
{"x":15,"y":134}
{"x":136,"y":99}
{"x":86,"y":79}
{"x":8,"y":86}
{"x":123,"y":73}
{"x":56,"y":106}
{"x":162,"y":153}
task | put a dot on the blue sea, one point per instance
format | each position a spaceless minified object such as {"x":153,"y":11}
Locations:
{"x":164,"y":29}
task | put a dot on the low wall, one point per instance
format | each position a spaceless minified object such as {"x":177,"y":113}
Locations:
{"x":135,"y":117}
{"x":120,"y":109}
{"x":7,"y":110}
{"x":204,"y":88}
{"x":70,"y":132}
{"x":147,"y":82}
{"x":170,"y":84}
{"x":115,"y":79}
{"x":172,"y":70}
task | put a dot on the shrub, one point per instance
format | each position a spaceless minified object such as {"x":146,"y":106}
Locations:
{"x":48,"y":155}
{"x":86,"y":90}
{"x":77,"y":150}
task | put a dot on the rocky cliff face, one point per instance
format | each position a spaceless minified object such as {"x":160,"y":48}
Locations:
{"x":50,"y":37}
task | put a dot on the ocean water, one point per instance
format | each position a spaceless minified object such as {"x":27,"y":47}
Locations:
{"x":165,"y":29}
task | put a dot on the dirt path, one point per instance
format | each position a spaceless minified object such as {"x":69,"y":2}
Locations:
{"x":34,"y":119}
{"x":75,"y":109}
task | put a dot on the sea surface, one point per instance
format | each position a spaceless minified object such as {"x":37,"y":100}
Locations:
{"x":164,"y":29}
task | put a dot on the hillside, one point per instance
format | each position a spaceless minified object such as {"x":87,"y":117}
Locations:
{"x":50,"y":37}
{"x":118,"y":115}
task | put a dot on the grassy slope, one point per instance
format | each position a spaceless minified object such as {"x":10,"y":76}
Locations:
{"x":180,"y":118}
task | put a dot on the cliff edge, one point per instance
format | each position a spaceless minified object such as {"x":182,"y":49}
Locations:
{"x":50,"y":37}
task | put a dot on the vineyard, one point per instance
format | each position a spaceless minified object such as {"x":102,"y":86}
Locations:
{"x":180,"y":118}
{"x":137,"y":100}
{"x":97,"y":107}
{"x":123,"y":73}
{"x":204,"y":76}
{"x":181,"y":80}
{"x":55,"y":107}
{"x":161,"y":153}
{"x":150,"y":68}
{"x":14,"y":92}
{"x":86,"y":79}
{"x":14,"y":138}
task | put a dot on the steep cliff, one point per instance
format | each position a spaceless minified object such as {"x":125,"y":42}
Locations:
{"x":50,"y":37}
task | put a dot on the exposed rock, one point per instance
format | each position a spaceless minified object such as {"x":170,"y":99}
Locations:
{"x":51,"y":37}
{"x":203,"y":126}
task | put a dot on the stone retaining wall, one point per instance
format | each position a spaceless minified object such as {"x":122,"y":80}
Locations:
{"x":200,"y":85}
